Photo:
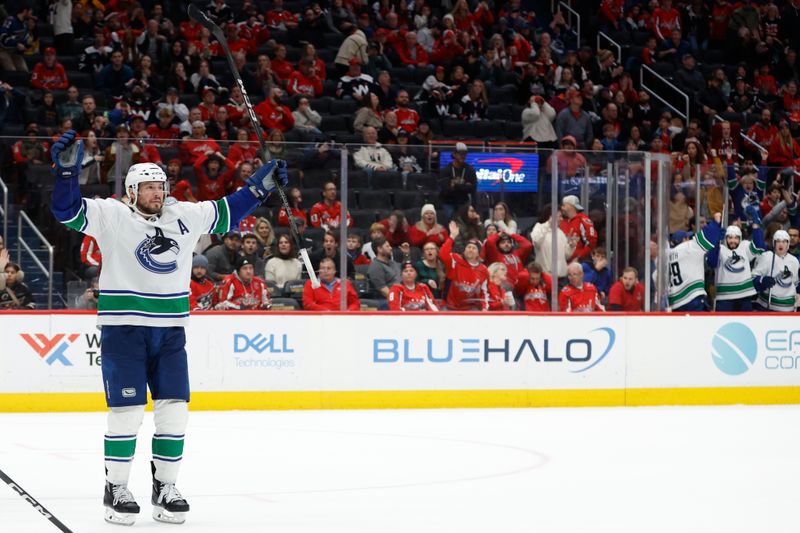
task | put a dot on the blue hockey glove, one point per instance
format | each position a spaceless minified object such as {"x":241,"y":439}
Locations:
{"x":753,"y":214}
{"x":263,"y":181}
{"x":67,"y":155}
{"x":764,"y":283}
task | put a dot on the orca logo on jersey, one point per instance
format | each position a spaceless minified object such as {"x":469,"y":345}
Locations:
{"x":152,"y":251}
{"x":735,"y":263}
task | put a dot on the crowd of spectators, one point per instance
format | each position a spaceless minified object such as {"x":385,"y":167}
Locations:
{"x":141,"y":82}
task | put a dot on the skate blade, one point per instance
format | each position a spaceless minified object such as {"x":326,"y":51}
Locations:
{"x":120,"y":519}
{"x":162,"y":515}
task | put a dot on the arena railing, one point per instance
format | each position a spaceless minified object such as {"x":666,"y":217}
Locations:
{"x":646,"y":71}
{"x":22,"y":221}
{"x":602,"y":36}
{"x":4,"y":210}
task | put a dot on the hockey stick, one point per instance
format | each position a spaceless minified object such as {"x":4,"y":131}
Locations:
{"x":36,"y":505}
{"x":198,"y":16}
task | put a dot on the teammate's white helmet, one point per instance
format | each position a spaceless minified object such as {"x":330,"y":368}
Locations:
{"x":142,"y":173}
{"x":780,"y":235}
{"x":733,"y":231}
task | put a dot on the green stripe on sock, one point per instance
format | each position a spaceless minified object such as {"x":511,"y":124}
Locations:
{"x":168,"y":447}
{"x":123,"y":449}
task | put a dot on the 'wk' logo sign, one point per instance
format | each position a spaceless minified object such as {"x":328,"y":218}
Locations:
{"x":51,"y":349}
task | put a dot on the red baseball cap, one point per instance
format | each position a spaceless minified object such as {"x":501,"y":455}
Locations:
{"x":49,"y":51}
{"x":355,"y":61}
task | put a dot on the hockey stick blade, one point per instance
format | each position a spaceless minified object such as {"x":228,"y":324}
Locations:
{"x":36,"y":505}
{"x":197,"y":15}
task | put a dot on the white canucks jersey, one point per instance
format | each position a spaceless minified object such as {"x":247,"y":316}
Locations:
{"x":147,"y":264}
{"x":781,"y":297}
{"x":734,"y":276}
{"x":687,"y":271}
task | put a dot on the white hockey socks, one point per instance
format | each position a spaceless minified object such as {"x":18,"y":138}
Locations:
{"x":171,"y":417}
{"x":120,"y":442}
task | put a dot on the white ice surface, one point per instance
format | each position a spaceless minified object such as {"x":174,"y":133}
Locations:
{"x":700,"y":469}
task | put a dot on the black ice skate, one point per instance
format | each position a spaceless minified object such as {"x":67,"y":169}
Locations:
{"x":168,"y":504}
{"x":121,"y":508}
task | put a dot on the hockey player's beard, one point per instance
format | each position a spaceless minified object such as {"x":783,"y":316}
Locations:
{"x":149,"y":209}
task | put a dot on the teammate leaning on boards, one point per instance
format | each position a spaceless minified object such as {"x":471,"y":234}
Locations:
{"x":143,"y":307}
{"x":686,"y":272}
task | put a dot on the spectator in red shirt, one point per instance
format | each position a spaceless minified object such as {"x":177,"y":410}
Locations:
{"x":274,"y":115}
{"x":327,"y":296}
{"x":427,"y":229}
{"x":397,"y":228}
{"x":411,"y":53}
{"x":213,"y":180}
{"x":328,"y":213}
{"x":578,"y":228}
{"x":31,"y":149}
{"x":535,"y":288}
{"x":180,"y":189}
{"x":579,"y":296}
{"x":49,"y":74}
{"x":501,"y":298}
{"x":627,"y":294}
{"x":280,"y":18}
{"x":208,"y":106}
{"x":164,"y":132}
{"x":665,"y":19}
{"x":197,"y":145}
{"x":468,"y":276}
{"x":244,"y":149}
{"x":305,"y":81}
{"x":763,"y":132}
{"x":407,"y":118}
{"x":243,"y":289}
{"x":91,"y":256}
{"x":408,"y":295}
{"x":203,"y":295}
{"x":446,"y":49}
{"x":295,"y":198}
{"x":512,"y":250}
{"x":280,"y":66}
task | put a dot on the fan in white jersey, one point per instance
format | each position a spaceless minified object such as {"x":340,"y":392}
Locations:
{"x":776,"y":276}
{"x":732,"y":259}
{"x":147,"y":246}
{"x":687,"y":291}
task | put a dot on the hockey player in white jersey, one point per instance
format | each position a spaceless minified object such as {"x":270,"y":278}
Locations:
{"x":143,"y":306}
{"x":687,"y":291}
{"x":776,"y":276}
{"x":732,"y":260}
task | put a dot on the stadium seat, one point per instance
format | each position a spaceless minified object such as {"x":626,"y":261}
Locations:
{"x":387,"y":180}
{"x":295,"y":178}
{"x":294,"y":289}
{"x":343,"y":107}
{"x":310,"y":196}
{"x":500,"y":112}
{"x":168,"y":153}
{"x":286,"y":304}
{"x":491,"y":129}
{"x":369,"y":304}
{"x":374,"y":200}
{"x":81,"y":80}
{"x":513,"y":130}
{"x":401,"y":75}
{"x":315,"y":177}
{"x":273,"y":288}
{"x":321,"y":105}
{"x":357,"y":179}
{"x":363,"y":218}
{"x":333,"y":123}
{"x":457,"y":129}
{"x":407,"y":199}
{"x":422,"y":181}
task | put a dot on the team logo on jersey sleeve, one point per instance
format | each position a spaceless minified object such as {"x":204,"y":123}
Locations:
{"x":158,"y":253}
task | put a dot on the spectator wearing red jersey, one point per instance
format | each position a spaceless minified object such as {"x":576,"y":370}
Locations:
{"x":718,"y":25}
{"x":244,"y":149}
{"x":236,"y":43}
{"x":408,"y":295}
{"x":764,"y":131}
{"x":180,"y":189}
{"x":665,"y":19}
{"x":407,"y":118}
{"x":578,"y":228}
{"x":91,"y":256}
{"x":501,"y":297}
{"x":208,"y":106}
{"x":280,"y":18}
{"x":274,"y":115}
{"x":328,"y":213}
{"x":446,"y":49}
{"x":512,"y":250}
{"x":305,"y":81}
{"x":148,"y":151}
{"x":280,"y":66}
{"x":410,"y":52}
{"x":468,"y":276}
{"x":30,"y":149}
{"x":164,"y":132}
{"x":243,"y":289}
{"x":49,"y":74}
{"x":518,"y":49}
{"x":203,"y":293}
{"x":578,"y":296}
{"x":214,"y":175}
{"x":327,"y":296}
{"x":627,"y":294}
{"x":295,"y":198}
{"x":785,"y":150}
{"x":190,"y":30}
{"x":427,"y":229}
{"x":535,"y":288}
{"x":397,"y":228}
{"x":197,"y":145}
{"x":612,"y":12}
